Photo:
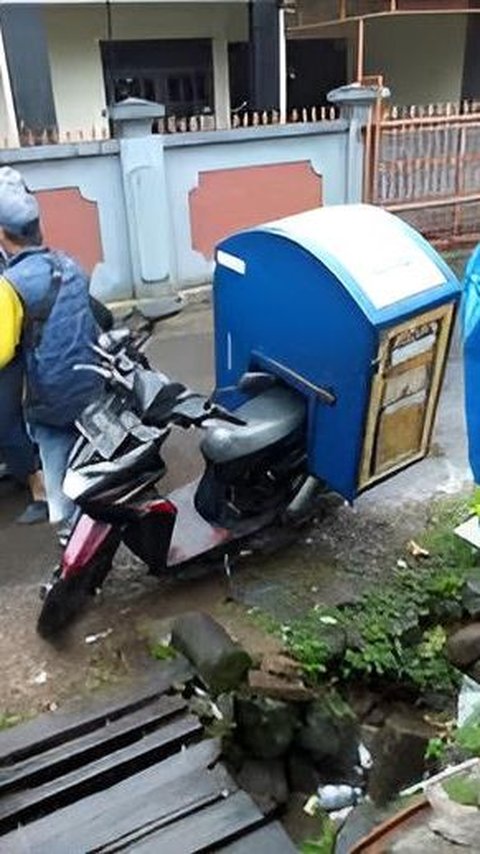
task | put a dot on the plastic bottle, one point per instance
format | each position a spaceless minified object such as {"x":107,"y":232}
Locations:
{"x":335,"y":797}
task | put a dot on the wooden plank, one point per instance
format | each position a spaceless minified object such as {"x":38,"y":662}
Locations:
{"x":122,"y":822}
{"x":66,"y":757}
{"x":200,"y":831}
{"x":27,"y":805}
{"x":271,"y":839}
{"x":187,"y":794}
{"x":54,"y":728}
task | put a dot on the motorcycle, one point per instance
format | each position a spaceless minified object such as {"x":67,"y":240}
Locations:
{"x":255,"y":472}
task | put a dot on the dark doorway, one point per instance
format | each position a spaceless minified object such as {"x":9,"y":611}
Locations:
{"x":314,"y":67}
{"x":239,"y":74}
{"x":471,"y":65}
{"x":173,"y":72}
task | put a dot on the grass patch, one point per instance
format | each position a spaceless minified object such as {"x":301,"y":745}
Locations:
{"x":396,"y":632}
{"x":7,"y":720}
{"x":162,"y":651}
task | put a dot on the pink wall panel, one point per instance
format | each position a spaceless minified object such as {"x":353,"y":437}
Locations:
{"x":227,"y":200}
{"x":70,"y":222}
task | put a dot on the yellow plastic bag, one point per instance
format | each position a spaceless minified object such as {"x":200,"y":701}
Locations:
{"x":11,"y":320}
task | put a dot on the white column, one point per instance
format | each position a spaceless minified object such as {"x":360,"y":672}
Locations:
{"x":282,"y":66}
{"x":11,"y":129}
{"x":221,"y":82}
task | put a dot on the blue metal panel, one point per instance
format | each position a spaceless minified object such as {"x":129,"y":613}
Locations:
{"x":288,"y":307}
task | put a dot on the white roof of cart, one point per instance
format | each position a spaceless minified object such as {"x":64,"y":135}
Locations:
{"x":388,"y":261}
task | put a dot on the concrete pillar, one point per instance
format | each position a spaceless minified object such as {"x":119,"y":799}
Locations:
{"x":356,"y":103}
{"x":221,"y":83}
{"x":264,"y":55}
{"x":144,"y":183}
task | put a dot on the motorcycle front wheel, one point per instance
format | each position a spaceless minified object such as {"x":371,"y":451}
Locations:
{"x":65,"y":598}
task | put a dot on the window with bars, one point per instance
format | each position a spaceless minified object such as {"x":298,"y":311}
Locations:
{"x":176,"y":73}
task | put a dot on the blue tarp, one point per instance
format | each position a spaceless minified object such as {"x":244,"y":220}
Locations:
{"x":471,"y":351}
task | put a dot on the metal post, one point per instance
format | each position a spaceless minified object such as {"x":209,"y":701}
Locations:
{"x":282,"y":65}
{"x":360,"y":49}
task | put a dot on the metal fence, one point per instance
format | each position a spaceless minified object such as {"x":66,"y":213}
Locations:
{"x":424,"y":163}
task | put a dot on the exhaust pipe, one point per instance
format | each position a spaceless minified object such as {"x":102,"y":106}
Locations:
{"x":305,"y":495}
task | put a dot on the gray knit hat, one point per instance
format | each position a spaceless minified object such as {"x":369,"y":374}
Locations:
{"x":18,"y":208}
{"x":11,"y":177}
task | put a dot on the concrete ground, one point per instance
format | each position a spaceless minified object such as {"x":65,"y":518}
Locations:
{"x":346,"y":549}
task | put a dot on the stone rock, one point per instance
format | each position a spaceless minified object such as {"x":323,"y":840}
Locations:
{"x":303,"y":774}
{"x":379,"y":713}
{"x":463,"y":646}
{"x":281,"y":665}
{"x":445,"y":611}
{"x":362,"y":701}
{"x":292,"y":691}
{"x":334,"y":641}
{"x":221,"y":662}
{"x":471,"y":594}
{"x":331,"y":734}
{"x":265,"y":727}
{"x":474,"y":671}
{"x":265,"y":781}
{"x":298,"y":824}
{"x":398,"y":753}
{"x":369,"y":736}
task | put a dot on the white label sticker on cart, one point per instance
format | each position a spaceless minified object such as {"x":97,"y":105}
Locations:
{"x":231,"y":262}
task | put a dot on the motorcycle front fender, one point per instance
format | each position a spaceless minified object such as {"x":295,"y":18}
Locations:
{"x":89,"y":541}
{"x":149,"y":533}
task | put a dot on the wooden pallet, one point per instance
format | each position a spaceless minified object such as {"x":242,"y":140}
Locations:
{"x":130,"y":775}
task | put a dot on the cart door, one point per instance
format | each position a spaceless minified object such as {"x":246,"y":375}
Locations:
{"x":405,"y":390}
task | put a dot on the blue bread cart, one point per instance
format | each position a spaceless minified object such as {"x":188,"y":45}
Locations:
{"x":354,"y":309}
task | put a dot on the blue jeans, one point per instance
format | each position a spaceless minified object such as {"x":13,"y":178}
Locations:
{"x":15,"y":445}
{"x":54,"y":445}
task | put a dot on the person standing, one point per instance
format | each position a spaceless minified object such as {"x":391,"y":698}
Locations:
{"x":16,"y":448}
{"x":46,"y":305}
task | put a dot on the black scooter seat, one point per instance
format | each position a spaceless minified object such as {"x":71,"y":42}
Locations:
{"x":270,"y":417}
